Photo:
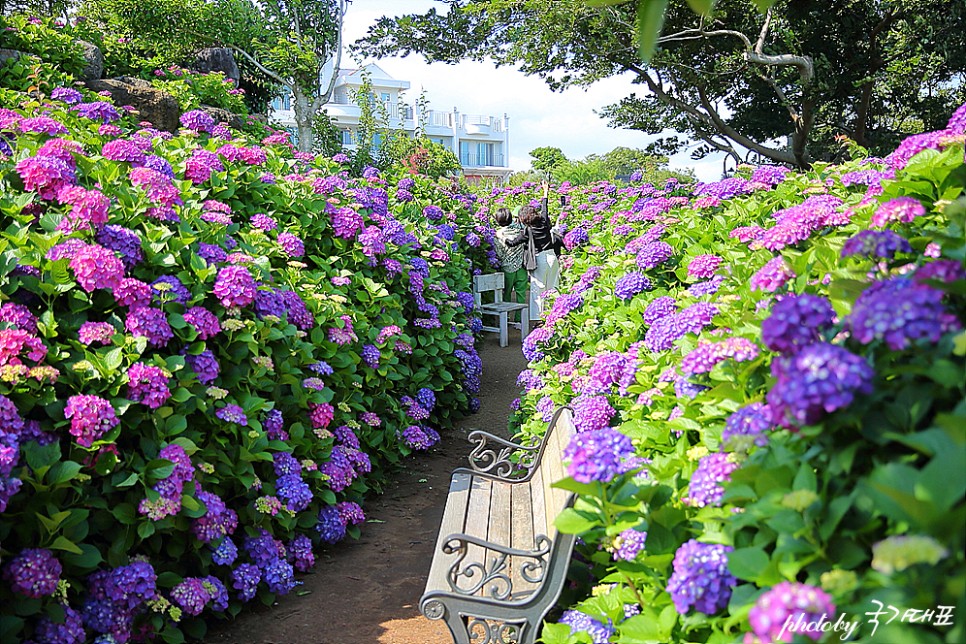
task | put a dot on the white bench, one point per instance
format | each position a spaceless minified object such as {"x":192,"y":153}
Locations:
{"x":494,"y":282}
{"x":500,"y":563}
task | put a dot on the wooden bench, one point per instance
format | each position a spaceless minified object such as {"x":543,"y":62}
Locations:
{"x":500,"y":563}
{"x":494,"y":282}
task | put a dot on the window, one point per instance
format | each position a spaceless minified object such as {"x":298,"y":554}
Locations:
{"x":386,"y":98}
{"x":465,"y":153}
{"x":484,"y":154}
{"x":286,"y":102}
{"x":346,"y":137}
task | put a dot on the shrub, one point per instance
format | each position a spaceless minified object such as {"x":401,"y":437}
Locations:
{"x":792,"y":382}
{"x":211,"y":350}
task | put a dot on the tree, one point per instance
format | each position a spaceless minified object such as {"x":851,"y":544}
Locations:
{"x":780,"y":84}
{"x":545,"y":159}
{"x":290,"y":42}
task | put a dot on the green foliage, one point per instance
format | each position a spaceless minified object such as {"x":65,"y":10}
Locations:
{"x":53,"y":59}
{"x":547,"y":159}
{"x":194,"y":90}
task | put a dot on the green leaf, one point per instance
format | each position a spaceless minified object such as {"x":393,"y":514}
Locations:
{"x":650,"y":21}
{"x":65,"y":544}
{"x":62,"y":472}
{"x":114,"y":358}
{"x":39,"y":457}
{"x":702,"y":7}
{"x":764,"y":5}
{"x":570,"y":521}
{"x":747,"y":563}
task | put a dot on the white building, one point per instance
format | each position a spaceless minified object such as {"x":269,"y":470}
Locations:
{"x":481,"y":143}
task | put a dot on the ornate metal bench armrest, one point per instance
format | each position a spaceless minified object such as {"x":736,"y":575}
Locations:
{"x":492,"y":456}
{"x":470,"y":578}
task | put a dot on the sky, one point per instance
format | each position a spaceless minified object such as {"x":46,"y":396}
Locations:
{"x":538,"y":116}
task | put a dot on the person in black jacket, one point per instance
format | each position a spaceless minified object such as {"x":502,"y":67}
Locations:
{"x":538,"y":226}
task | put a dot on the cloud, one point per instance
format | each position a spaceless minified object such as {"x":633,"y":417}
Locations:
{"x":538,"y":116}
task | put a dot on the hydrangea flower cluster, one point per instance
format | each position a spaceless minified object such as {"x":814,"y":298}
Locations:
{"x":789,"y":601}
{"x":749,"y":423}
{"x":817,"y":380}
{"x":591,"y":412}
{"x":169,"y":489}
{"x":882,"y":244}
{"x":706,"y":483}
{"x":900,"y":312}
{"x":579,"y":622}
{"x":631,"y":284}
{"x":772,"y":276}
{"x":701,"y":579}
{"x":628,"y":544}
{"x":796,"y":321}
{"x":34,"y":572}
{"x":91,"y":417}
{"x":599,"y":455}
{"x":148,"y":384}
{"x":703,"y":358}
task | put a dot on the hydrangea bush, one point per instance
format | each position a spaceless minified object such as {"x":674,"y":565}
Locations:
{"x":210,"y":349}
{"x":767,"y":379}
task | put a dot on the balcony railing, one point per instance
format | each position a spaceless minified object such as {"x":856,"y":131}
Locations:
{"x":473,"y":160}
{"x":467,"y":121}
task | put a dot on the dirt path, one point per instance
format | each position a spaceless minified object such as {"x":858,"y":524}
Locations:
{"x":367,"y":591}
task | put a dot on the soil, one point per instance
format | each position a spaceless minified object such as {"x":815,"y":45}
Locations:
{"x":367,"y":591}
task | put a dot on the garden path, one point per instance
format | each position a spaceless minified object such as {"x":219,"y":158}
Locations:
{"x":367,"y":591}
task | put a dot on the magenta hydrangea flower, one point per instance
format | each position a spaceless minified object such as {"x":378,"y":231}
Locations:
{"x":97,"y":267}
{"x":123,"y":150}
{"x":150,"y":323}
{"x":599,"y":455}
{"x":147,"y":384}
{"x":262,"y":221}
{"x":35,"y":573}
{"x":234,"y":286}
{"x":321,"y":414}
{"x":789,"y":602}
{"x":346,"y":222}
{"x":201,"y":165}
{"x":42,"y":125}
{"x":198,"y":120}
{"x":132,"y":293}
{"x":91,"y":332}
{"x":772,"y":276}
{"x":703,"y":266}
{"x":90,"y":418}
{"x":901,"y":209}
{"x":88,"y":208}
{"x":701,"y":579}
{"x":291,"y":244}
{"x":705,"y":356}
{"x":46,"y":175}
{"x":817,"y":380}
{"x":204,"y":322}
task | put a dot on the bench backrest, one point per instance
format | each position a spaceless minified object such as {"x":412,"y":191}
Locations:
{"x":552,"y":469}
{"x":486,"y":283}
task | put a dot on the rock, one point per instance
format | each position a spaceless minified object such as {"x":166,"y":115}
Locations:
{"x":220,"y":115}
{"x":9,"y":54}
{"x":217,"y":59}
{"x":95,"y":61}
{"x":157,"y":107}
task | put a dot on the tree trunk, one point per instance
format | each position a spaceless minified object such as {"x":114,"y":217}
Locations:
{"x":303,"y":119}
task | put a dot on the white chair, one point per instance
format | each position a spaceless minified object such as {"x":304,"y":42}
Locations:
{"x":494,"y":282}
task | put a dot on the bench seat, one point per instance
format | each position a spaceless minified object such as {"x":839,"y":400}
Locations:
{"x":500,"y":563}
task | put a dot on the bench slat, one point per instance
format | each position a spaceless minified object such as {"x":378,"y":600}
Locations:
{"x":454,"y":518}
{"x":539,"y":504}
{"x":521,"y":531}
{"x":477,"y":522}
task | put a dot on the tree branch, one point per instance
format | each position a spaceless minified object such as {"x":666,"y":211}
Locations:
{"x":729,"y":132}
{"x":261,"y":68}
{"x":324,"y":97}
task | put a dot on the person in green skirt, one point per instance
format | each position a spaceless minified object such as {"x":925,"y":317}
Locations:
{"x":515,"y":275}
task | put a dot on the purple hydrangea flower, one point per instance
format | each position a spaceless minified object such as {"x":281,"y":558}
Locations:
{"x":705,"y":488}
{"x":226,"y":552}
{"x":245,"y":580}
{"x":599,"y":455}
{"x":150,"y":323}
{"x":631,"y":284}
{"x":653,"y":255}
{"x":579,"y":622}
{"x":819,"y":379}
{"x":592,"y":412}
{"x":628,"y":544}
{"x":900,"y":312}
{"x":70,"y":631}
{"x":796,"y":321}
{"x":300,"y":553}
{"x":169,"y":288}
{"x":772,"y":276}
{"x":35,"y":572}
{"x":752,"y":421}
{"x":701,"y":578}
{"x":370,"y":355}
{"x":124,"y":241}
{"x":291,"y":244}
{"x":658,"y":308}
{"x":882,"y":244}
{"x":198,"y":121}
{"x":901,"y":209}
{"x":232,"y":414}
{"x":191,"y":595}
{"x":331,"y":525}
{"x":204,"y":322}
